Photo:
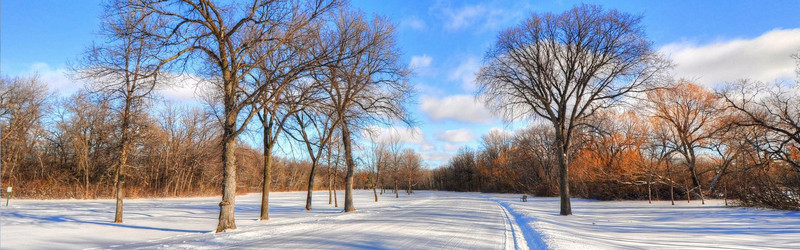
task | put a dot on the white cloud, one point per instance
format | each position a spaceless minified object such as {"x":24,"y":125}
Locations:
{"x":458,"y":107}
{"x":413,"y":22}
{"x":435,"y":156}
{"x":419,"y":62}
{"x":427,"y":147}
{"x":486,"y":16}
{"x":402,"y":134}
{"x":182,"y":88}
{"x":764,"y":58}
{"x":501,"y":131}
{"x":463,"y":17}
{"x":55,"y":78}
{"x":456,"y":136}
{"x":465,"y":73}
{"x":451,"y":147}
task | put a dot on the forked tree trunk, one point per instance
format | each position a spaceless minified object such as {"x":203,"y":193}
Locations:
{"x":351,"y":167}
{"x":228,"y":203}
{"x":688,"y":194}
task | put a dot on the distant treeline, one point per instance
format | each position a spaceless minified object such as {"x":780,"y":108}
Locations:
{"x":65,"y":147}
{"x":683,"y":142}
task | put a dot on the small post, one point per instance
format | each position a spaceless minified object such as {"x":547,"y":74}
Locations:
{"x":9,"y":195}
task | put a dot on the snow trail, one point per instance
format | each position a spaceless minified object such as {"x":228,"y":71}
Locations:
{"x":524,"y":235}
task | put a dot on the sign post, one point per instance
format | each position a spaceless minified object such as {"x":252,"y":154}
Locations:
{"x":9,"y":195}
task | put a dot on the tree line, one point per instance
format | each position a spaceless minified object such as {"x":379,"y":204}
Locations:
{"x":611,"y":121}
{"x":304,"y":74}
{"x":679,"y":140}
{"x":683,"y":142}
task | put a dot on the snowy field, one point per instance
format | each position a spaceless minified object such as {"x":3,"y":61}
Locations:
{"x":427,"y":219}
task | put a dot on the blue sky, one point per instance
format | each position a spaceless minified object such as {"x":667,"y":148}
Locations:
{"x":444,"y":41}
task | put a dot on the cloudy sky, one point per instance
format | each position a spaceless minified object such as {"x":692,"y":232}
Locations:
{"x":444,"y":42}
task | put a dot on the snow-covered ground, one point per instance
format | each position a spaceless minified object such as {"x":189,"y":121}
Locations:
{"x":426,"y":219}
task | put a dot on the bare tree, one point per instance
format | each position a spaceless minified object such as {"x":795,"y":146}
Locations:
{"x":364,"y":80}
{"x":564,"y":67}
{"x":126,"y":69}
{"x":282,"y":67}
{"x":315,"y":129}
{"x":412,"y":164}
{"x":379,"y":155}
{"x":23,"y":103}
{"x":692,"y":115}
{"x":395,"y":149}
{"x":225,"y":38}
{"x":774,"y":108}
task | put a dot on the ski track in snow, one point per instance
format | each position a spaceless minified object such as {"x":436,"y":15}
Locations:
{"x":424,"y":220}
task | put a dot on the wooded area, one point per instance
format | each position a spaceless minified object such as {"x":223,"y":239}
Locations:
{"x":681,"y":142}
{"x":607,"y":120}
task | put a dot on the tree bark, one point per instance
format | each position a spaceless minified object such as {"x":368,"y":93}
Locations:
{"x":122,"y":158}
{"x":375,"y":192}
{"x":267,"y":176}
{"x":409,"y":186}
{"x":351,"y":167}
{"x":563,"y":166}
{"x":226,"y":206}
{"x":311,"y":183}
{"x":330,"y":188}
{"x":118,"y":178}
{"x":649,"y":188}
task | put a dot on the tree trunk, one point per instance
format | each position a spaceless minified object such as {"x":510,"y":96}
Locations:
{"x":671,"y":184}
{"x":311,"y":183}
{"x":122,"y":159}
{"x":118,"y":179}
{"x":688,"y":194}
{"x":226,"y":206}
{"x":695,"y":180}
{"x":330,"y":188}
{"x":335,"y":200}
{"x":351,"y":167}
{"x":377,"y":182}
{"x":566,"y":206}
{"x":267,"y":177}
{"x":396,"y":193}
{"x":375,"y":192}
{"x":649,"y":188}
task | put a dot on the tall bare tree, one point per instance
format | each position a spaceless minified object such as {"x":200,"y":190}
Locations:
{"x":315,"y":129}
{"x":126,"y":69}
{"x":564,"y":67}
{"x":379,"y":158}
{"x":224,"y":38}
{"x":692,"y":115}
{"x":280,"y":70}
{"x":364,"y":81}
